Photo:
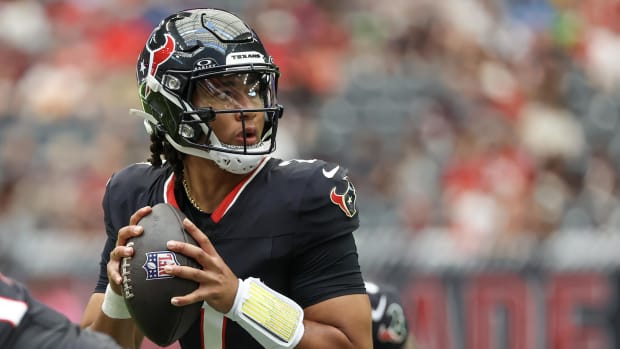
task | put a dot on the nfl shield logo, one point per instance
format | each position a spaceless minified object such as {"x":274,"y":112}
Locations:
{"x":155,"y":263}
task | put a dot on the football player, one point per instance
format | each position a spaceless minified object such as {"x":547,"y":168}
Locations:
{"x":390,"y":329}
{"x":280,"y":265}
{"x":26,"y":323}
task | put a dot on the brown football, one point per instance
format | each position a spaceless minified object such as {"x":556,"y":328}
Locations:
{"x":147,"y":289}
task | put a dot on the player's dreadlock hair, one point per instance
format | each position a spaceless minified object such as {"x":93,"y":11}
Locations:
{"x":159,"y":146}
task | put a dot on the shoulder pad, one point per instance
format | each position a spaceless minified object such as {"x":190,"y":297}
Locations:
{"x":325,"y":199}
{"x":131,"y":188}
{"x":135,"y":178}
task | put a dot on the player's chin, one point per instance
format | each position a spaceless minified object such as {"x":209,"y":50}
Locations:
{"x":240,"y":146}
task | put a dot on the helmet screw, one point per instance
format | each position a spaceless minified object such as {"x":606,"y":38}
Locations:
{"x":186,"y":131}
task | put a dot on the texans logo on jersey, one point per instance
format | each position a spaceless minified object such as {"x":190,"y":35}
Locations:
{"x":346,"y":200}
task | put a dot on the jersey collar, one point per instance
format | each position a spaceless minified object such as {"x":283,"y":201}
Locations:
{"x":228,"y":201}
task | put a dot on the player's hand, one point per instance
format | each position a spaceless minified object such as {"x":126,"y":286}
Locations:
{"x":218,"y":284}
{"x":125,"y":233}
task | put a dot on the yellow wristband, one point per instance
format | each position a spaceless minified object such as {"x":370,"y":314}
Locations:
{"x":274,"y":320}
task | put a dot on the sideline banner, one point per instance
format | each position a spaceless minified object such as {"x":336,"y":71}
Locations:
{"x":496,"y":310}
{"x":561,"y":293}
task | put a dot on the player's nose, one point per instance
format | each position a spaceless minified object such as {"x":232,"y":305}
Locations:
{"x":245,"y":115}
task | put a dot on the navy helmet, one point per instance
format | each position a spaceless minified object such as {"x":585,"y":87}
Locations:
{"x":390,"y":329}
{"x":181,"y":55}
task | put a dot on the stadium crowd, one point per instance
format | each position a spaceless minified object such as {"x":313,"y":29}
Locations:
{"x":489,"y":119}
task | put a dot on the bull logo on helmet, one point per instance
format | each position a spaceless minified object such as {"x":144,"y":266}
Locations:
{"x":161,"y":54}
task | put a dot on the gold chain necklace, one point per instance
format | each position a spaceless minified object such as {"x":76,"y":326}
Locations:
{"x":189,"y":196}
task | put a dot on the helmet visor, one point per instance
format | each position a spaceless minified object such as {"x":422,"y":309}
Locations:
{"x":234,"y":91}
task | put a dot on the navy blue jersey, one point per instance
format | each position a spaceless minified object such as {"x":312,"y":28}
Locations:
{"x":289,"y":223}
{"x":25,"y":323}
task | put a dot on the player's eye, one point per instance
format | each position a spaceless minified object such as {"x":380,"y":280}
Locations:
{"x":255,"y":89}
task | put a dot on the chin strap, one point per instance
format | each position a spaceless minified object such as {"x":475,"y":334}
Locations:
{"x":274,"y":320}
{"x":149,"y":120}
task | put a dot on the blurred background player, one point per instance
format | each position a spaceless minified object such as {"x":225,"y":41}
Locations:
{"x":390,"y":328}
{"x":26,"y":323}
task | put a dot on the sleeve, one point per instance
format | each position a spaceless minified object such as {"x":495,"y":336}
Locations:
{"x":327,"y":208}
{"x":110,"y":242}
{"x":27,"y":323}
{"x":326,"y":258}
{"x":327,"y":271}
{"x":13,"y":309}
{"x":102,"y":281}
{"x":126,"y":191}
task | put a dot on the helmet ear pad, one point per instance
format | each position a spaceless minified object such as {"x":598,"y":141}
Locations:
{"x":159,"y":107}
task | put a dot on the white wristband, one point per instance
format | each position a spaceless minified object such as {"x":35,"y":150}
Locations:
{"x":274,"y":320}
{"x":114,"y":305}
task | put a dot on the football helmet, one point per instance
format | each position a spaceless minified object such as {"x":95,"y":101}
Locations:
{"x":213,"y":53}
{"x":390,"y":329}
